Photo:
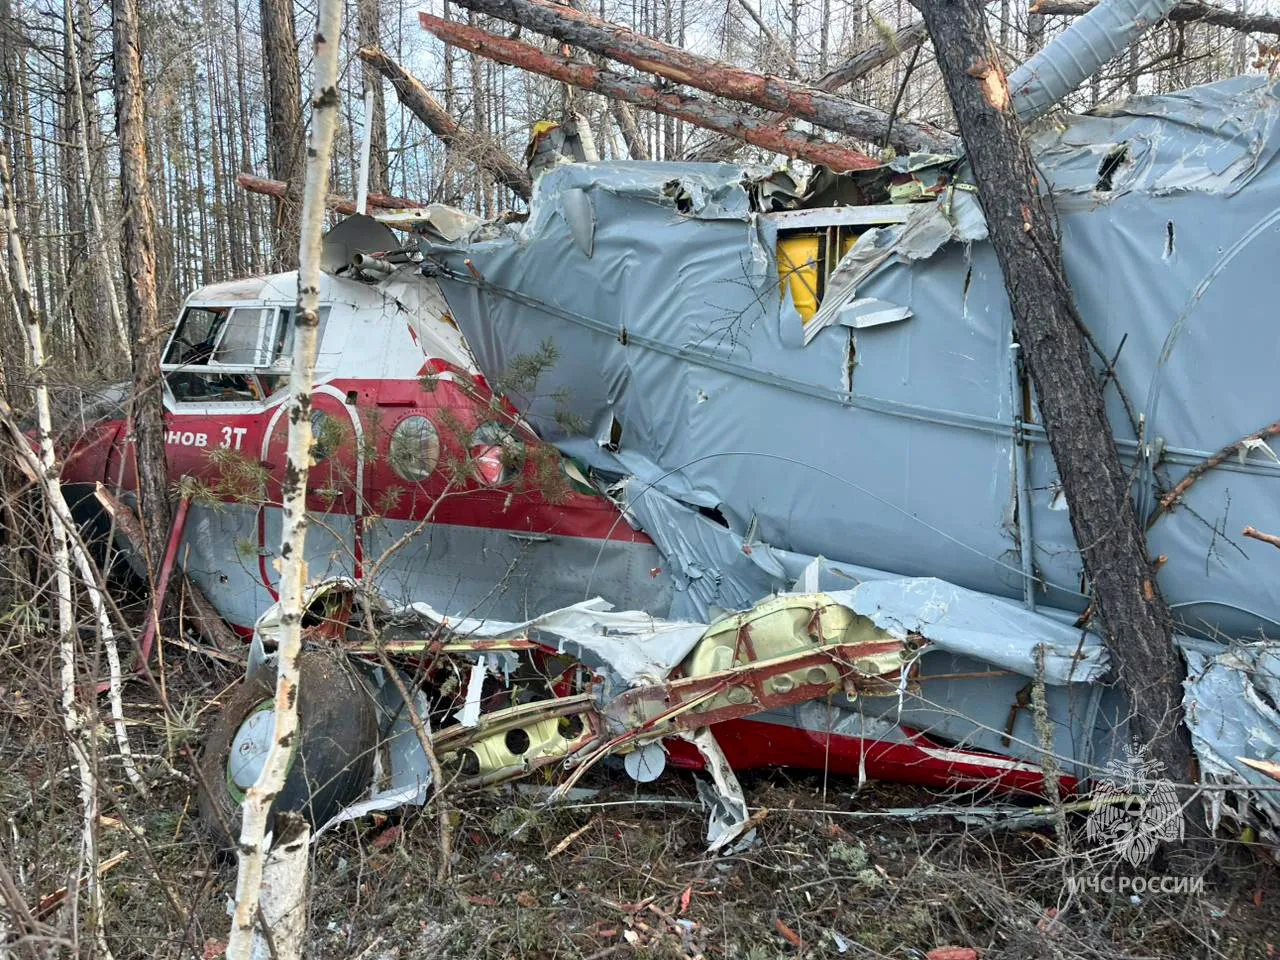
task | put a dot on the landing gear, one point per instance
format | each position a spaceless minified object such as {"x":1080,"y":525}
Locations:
{"x":331,"y":764}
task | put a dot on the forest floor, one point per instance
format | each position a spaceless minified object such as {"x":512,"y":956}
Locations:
{"x":623,"y":872}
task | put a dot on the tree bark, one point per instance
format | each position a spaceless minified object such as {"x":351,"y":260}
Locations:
{"x":75,"y":723}
{"x":426,"y":108}
{"x":293,"y":569}
{"x":1137,"y":623}
{"x":139,"y":258}
{"x":630,"y":130}
{"x":284,"y":124}
{"x":903,"y":41}
{"x":1189,"y":11}
{"x":369,"y":24}
{"x":694,"y":110}
{"x":715,"y":76}
{"x":343,"y":205}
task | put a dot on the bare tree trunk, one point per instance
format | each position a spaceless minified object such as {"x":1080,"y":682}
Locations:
{"x":74,"y":722}
{"x":1138,"y":625}
{"x":284,"y":123}
{"x":714,"y":76}
{"x":138,"y":252}
{"x":630,"y":130}
{"x":367,"y":12}
{"x":293,"y":573}
{"x":426,"y":108}
{"x":699,"y":112}
{"x":254,"y":233}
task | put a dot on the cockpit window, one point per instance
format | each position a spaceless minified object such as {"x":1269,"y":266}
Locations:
{"x":231,"y":354}
{"x":242,"y":337}
{"x":196,"y":334}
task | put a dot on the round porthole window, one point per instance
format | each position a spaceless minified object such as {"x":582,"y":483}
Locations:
{"x":496,"y":454}
{"x":415,"y":449}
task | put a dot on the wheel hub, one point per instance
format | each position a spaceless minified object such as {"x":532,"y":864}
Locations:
{"x":250,"y":747}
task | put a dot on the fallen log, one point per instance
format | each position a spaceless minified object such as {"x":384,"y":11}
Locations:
{"x":1189,"y":11}
{"x":833,"y":112}
{"x":478,"y":147}
{"x":903,"y":41}
{"x":691,"y":109}
{"x":860,"y":64}
{"x":344,"y":205}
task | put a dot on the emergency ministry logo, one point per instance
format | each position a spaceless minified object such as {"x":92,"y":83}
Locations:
{"x":1133,"y":807}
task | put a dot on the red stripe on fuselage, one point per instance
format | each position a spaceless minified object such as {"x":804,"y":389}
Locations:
{"x":205,"y":445}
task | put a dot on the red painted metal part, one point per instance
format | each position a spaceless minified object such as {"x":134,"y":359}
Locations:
{"x":162,"y":584}
{"x":513,"y":506}
{"x":755,"y":745}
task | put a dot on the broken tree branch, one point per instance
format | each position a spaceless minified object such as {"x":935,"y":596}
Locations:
{"x":426,"y":108}
{"x":1200,"y":469}
{"x":794,"y":99}
{"x":860,"y":64}
{"x":1189,"y":11}
{"x":694,"y":110}
{"x":334,"y":201}
{"x":1256,"y":534}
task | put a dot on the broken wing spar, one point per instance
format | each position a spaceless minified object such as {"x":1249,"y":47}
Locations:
{"x":682,"y":106}
{"x":797,"y":100}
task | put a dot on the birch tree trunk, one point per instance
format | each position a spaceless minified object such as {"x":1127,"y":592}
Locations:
{"x":72,"y":719}
{"x":293,"y":571}
{"x":139,"y":257}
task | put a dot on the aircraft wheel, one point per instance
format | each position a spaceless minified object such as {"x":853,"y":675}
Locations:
{"x":331,"y":765}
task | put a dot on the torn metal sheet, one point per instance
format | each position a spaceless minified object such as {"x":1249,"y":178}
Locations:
{"x":981,"y":626}
{"x":898,"y":446}
{"x":636,"y":647}
{"x":725,"y":802}
{"x":1231,"y":697}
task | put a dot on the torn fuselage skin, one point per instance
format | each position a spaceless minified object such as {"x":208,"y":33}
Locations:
{"x":540,"y":707}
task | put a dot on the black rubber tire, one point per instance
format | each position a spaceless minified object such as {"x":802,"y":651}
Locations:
{"x":333,"y":763}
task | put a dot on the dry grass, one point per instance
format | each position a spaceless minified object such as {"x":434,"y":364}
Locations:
{"x":633,"y":880}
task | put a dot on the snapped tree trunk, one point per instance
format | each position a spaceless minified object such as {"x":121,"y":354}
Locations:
{"x":426,"y":108}
{"x":293,"y":569}
{"x":343,"y":205}
{"x":139,"y":259}
{"x":284,"y":124}
{"x":840,"y":114}
{"x":1136,"y":620}
{"x":694,"y":110}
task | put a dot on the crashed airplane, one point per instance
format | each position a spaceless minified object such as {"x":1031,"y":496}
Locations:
{"x":775,"y":493}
